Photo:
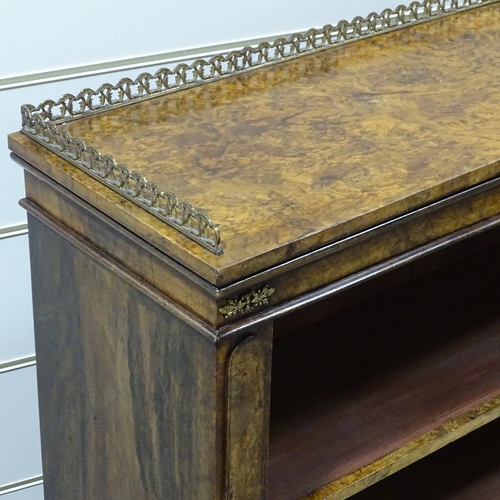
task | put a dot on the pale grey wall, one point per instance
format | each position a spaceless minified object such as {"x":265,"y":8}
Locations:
{"x":37,"y":36}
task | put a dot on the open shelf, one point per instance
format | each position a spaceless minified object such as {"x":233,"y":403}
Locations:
{"x":381,"y":385}
{"x":468,"y":469}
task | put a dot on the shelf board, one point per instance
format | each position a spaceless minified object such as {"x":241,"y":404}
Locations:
{"x":408,"y":454}
{"x":464,"y":470}
{"x":381,"y":385}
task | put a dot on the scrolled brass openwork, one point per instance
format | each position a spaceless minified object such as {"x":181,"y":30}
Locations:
{"x":40,"y":122}
{"x":219,"y":66}
{"x":193,"y":223}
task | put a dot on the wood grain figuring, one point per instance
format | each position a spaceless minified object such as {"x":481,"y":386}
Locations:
{"x":466,"y":470}
{"x":290,"y":157}
{"x":248,"y":418}
{"x":409,"y":454}
{"x":367,"y":382}
{"x":310,"y":271}
{"x":187,"y":289}
{"x":352,"y":256}
{"x":127,"y":391}
{"x":289,"y":281}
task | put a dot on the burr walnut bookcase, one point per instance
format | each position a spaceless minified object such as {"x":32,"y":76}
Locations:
{"x":329,"y":316}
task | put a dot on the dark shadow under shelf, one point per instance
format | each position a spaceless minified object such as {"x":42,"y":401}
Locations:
{"x":366,"y":382}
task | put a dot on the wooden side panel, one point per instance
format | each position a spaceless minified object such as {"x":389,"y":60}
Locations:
{"x":133,"y":252}
{"x":127,"y":390}
{"x":248,"y":417}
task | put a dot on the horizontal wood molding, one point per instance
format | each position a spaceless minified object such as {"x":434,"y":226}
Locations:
{"x":130,"y":277}
{"x":360,"y":277}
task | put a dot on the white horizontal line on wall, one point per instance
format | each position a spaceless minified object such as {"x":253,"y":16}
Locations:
{"x":10,"y":231}
{"x":17,"y":364}
{"x":164,"y":58}
{"x":21,"y":485}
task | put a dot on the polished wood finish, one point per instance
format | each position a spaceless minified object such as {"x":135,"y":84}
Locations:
{"x":292,"y":279}
{"x":127,"y":390}
{"x":292,"y":157}
{"x":248,"y":417}
{"x":358,"y":184}
{"x":123,"y":375}
{"x":299,"y":154}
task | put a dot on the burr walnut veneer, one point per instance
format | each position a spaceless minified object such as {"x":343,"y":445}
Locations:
{"x":347,"y":325}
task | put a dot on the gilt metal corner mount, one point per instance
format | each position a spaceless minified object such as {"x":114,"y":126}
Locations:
{"x":247,"y":302}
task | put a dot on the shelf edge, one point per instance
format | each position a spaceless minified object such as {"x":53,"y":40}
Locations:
{"x":408,"y":454}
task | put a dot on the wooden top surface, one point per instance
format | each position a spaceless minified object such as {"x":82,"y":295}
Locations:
{"x":294,"y":156}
